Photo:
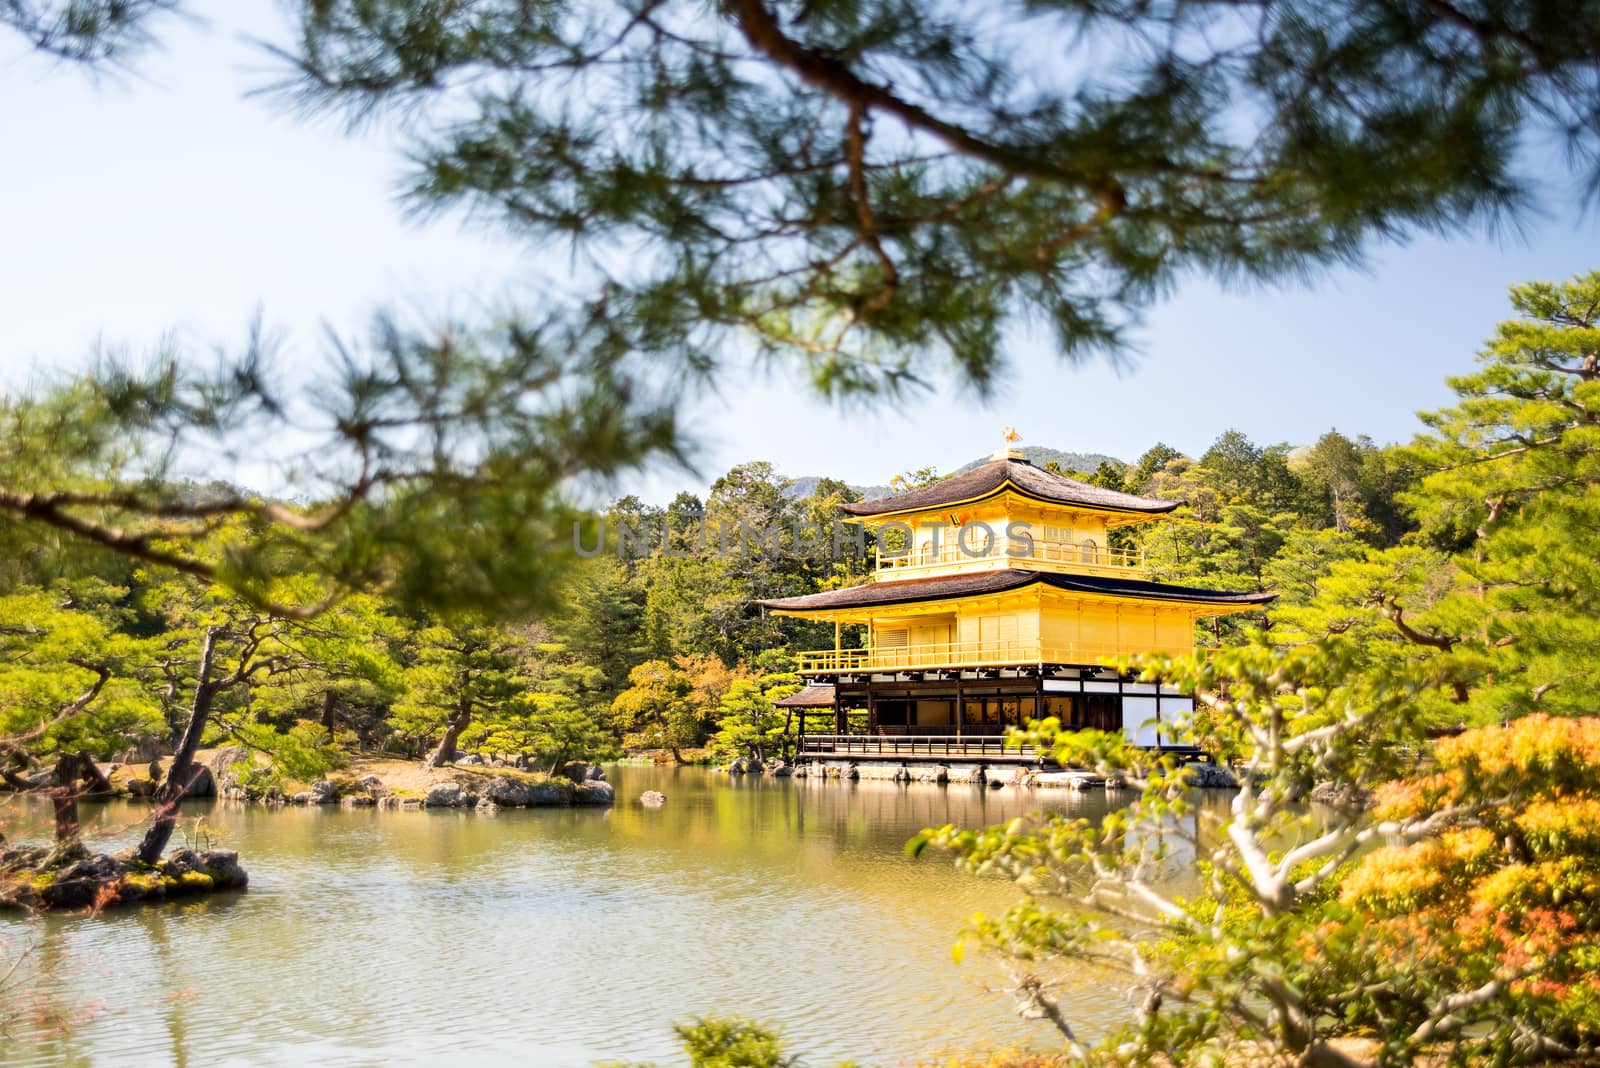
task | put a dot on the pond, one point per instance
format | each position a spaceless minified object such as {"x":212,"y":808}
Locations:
{"x":553,"y":936}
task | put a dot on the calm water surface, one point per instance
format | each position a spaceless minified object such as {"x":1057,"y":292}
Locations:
{"x":556,"y":936}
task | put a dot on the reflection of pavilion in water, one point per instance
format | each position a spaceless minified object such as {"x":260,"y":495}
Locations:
{"x":854,"y":814}
{"x":997,"y":598}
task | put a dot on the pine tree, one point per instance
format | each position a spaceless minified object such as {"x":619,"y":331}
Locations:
{"x":866,"y":185}
{"x":1512,"y":480}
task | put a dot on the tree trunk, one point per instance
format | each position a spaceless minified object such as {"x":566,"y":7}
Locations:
{"x":446,"y":751}
{"x":330,"y":712}
{"x":71,"y":769}
{"x":560,"y":760}
{"x":179,"y":775}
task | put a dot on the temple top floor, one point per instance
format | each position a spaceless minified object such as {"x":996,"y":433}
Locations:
{"x":1005,"y":514}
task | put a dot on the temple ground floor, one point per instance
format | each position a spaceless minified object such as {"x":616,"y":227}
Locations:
{"x":964,"y":715}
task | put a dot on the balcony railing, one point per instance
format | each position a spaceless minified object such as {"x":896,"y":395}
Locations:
{"x":913,"y":746}
{"x":935,"y":655}
{"x":1079,"y":556}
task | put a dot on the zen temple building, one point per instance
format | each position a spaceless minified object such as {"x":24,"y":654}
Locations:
{"x":997,"y":598}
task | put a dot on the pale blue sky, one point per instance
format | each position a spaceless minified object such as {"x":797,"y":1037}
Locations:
{"x":168,"y":201}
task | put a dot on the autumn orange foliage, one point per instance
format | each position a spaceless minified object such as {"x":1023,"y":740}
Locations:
{"x":1507,"y":895}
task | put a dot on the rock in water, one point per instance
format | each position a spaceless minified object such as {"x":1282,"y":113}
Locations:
{"x":652,"y":799}
{"x":594,"y":793}
{"x":323,"y":793}
{"x":102,"y":879}
{"x":550,"y":793}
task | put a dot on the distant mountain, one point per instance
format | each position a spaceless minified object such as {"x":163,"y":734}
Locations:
{"x":1038,"y":455}
{"x":805,"y":485}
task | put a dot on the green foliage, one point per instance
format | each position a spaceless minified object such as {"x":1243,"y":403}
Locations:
{"x":550,"y":728}
{"x":712,"y":1042}
{"x":1498,"y":586}
{"x":859,"y":185}
{"x":1462,"y":911}
{"x":305,"y":752}
{"x":69,"y":680}
{"x":748,"y":721}
{"x":1510,"y":484}
{"x":1357,"y":485}
{"x":719,"y":1042}
{"x":660,"y":708}
{"x":442,"y":461}
{"x":92,"y":32}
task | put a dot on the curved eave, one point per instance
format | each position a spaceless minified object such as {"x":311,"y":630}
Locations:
{"x":1008,"y":486}
{"x":963,"y":587}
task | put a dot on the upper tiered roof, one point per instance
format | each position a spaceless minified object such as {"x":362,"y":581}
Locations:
{"x":1009,"y":472}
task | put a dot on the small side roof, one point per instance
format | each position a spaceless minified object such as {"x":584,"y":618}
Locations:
{"x":815,"y":695}
{"x":994,"y":477}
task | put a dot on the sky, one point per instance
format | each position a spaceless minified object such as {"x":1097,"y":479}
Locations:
{"x":172,"y":201}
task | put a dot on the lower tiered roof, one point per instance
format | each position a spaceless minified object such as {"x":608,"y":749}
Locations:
{"x":977,"y":584}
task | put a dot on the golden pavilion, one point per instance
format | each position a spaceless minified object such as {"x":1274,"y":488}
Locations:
{"x":997,"y":597}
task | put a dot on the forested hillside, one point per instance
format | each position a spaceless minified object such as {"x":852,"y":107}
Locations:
{"x":646,"y":633}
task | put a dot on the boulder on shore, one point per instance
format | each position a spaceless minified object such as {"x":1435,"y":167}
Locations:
{"x":581,"y":771}
{"x":223,"y":760}
{"x":446,"y":795}
{"x":1206,"y":776}
{"x":201,"y":782}
{"x":508,"y":792}
{"x":1347,"y":796}
{"x":593,"y":793}
{"x":148,"y":748}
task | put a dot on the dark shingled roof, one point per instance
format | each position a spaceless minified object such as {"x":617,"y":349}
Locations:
{"x":873,"y":594}
{"x":991,"y":478}
{"x":815,"y":695}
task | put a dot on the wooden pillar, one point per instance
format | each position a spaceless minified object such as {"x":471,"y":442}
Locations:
{"x":961,"y":704}
{"x":872,"y":710}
